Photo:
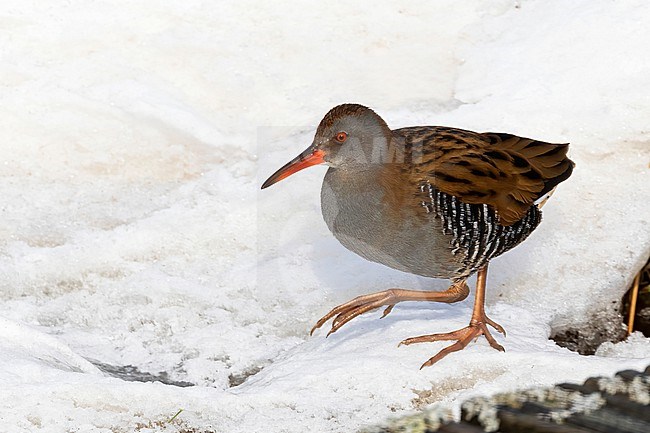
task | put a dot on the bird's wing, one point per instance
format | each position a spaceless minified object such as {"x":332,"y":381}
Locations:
{"x":504,"y":171}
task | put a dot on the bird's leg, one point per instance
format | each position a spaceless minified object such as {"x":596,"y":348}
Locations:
{"x":388,"y":298}
{"x":477,"y":326}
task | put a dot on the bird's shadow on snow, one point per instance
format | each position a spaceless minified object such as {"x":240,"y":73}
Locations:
{"x":343,"y":271}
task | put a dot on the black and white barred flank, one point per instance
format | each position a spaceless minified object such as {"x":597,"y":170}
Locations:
{"x":475,"y":228}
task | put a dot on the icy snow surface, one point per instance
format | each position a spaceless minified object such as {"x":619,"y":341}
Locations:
{"x":134,"y":140}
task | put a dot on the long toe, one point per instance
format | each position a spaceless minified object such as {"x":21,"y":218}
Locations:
{"x":356,"y":307}
{"x":495,"y":325}
{"x":446,"y":336}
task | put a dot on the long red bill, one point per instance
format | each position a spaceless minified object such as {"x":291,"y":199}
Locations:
{"x":306,"y":159}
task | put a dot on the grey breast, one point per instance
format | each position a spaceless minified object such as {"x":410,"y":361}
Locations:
{"x":355,"y":211}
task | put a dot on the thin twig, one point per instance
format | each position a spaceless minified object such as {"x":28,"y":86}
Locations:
{"x":635,"y":293}
{"x":174,"y":417}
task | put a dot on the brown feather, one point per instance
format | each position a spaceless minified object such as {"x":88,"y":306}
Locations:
{"x":504,"y":171}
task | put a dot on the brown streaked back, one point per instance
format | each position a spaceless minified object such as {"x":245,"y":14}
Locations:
{"x":504,"y":171}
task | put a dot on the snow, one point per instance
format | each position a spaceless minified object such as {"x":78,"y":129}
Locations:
{"x":134,"y":141}
{"x":636,"y":346}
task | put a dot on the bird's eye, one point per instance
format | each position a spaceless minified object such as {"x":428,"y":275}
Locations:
{"x":341,"y":137}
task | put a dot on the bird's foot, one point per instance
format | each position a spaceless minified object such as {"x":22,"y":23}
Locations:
{"x":388,"y":298}
{"x":476,"y":328}
{"x":357,"y":306}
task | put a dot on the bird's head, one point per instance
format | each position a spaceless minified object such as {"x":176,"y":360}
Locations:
{"x":350,"y":136}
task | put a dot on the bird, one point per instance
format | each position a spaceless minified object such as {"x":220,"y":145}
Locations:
{"x":433,"y":201}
